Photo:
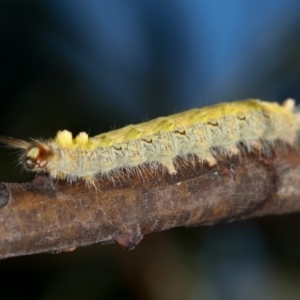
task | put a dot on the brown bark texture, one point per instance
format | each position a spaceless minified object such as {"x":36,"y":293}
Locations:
{"x":46,"y":216}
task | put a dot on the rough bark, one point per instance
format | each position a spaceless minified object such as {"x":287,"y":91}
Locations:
{"x":46,"y":216}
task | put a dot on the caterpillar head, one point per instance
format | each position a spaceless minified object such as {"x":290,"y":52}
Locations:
{"x":36,"y":157}
{"x":35,"y":154}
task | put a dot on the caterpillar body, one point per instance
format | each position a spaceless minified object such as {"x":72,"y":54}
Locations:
{"x":205,"y":133}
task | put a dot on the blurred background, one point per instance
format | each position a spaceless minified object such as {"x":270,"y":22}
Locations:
{"x":96,"y":65}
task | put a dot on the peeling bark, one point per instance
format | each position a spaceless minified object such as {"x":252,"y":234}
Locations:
{"x":46,"y":216}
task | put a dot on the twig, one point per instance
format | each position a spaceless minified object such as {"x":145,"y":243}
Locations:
{"x":47,"y":216}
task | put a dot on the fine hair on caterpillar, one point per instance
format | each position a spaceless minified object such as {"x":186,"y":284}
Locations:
{"x":205,"y":134}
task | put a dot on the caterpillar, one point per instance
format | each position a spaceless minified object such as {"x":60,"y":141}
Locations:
{"x":206,"y":133}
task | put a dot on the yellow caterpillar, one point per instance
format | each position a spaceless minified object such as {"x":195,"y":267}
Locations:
{"x":203,"y":132}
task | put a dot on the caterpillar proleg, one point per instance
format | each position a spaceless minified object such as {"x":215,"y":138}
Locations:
{"x":202,"y":132}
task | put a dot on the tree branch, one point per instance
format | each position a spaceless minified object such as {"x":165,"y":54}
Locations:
{"x":46,"y":216}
